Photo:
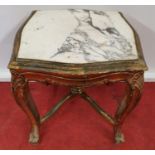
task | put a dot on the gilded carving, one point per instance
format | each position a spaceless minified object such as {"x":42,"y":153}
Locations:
{"x":137,"y":81}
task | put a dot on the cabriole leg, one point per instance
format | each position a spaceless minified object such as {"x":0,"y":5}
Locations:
{"x":128,"y":103}
{"x":24,"y":99}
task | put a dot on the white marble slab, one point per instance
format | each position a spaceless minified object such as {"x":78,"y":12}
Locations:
{"x":77,"y":36}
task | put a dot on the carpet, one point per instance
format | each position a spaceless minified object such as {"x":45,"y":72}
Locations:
{"x":76,"y":126}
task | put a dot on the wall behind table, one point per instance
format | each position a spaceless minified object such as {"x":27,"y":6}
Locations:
{"x":141,"y":18}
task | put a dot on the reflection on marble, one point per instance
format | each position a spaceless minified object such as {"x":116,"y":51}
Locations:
{"x":77,"y":36}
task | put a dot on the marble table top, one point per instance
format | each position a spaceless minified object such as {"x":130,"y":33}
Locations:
{"x":77,"y":36}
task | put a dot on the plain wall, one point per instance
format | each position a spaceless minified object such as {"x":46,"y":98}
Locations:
{"x":140,"y":17}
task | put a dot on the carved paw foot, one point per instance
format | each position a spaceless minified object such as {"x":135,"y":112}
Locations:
{"x":119,"y":138}
{"x":34,"y":136}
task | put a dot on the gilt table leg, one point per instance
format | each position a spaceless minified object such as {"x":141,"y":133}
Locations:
{"x":128,"y":103}
{"x":24,"y":99}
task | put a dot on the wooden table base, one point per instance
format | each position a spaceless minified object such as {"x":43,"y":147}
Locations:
{"x":24,"y":99}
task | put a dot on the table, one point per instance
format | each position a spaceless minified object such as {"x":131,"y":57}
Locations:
{"x":78,"y":49}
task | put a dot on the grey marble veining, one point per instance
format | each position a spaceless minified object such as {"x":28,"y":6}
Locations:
{"x":77,"y":36}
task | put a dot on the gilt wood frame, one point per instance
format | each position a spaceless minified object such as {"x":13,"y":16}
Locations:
{"x":77,"y":77}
